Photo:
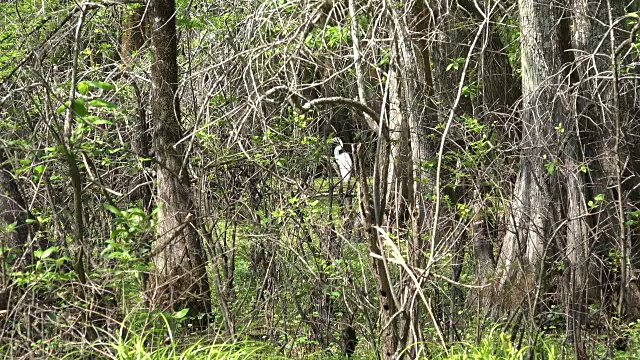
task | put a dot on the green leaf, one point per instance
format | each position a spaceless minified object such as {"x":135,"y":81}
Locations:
{"x":101,"y":103}
{"x":79,"y":108}
{"x":584,"y":168}
{"x":114,"y":255}
{"x":43,"y":220}
{"x":48,"y":252}
{"x":181,"y":314}
{"x":62,"y":260}
{"x":101,"y":85}
{"x":9,"y":228}
{"x":83,"y":87}
{"x":95,"y":120}
{"x":45,"y":254}
{"x":113,"y":209}
{"x":551,"y":168}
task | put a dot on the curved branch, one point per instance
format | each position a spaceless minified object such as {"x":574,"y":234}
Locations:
{"x":346,"y":101}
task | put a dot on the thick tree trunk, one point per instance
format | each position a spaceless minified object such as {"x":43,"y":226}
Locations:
{"x":180,"y":277}
{"x":527,"y":235}
{"x":589,"y":18}
{"x":410,"y":87}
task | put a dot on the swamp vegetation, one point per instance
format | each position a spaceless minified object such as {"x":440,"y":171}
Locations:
{"x":324,"y":179}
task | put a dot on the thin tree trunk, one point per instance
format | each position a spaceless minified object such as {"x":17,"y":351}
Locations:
{"x":390,"y":320}
{"x":578,"y":246}
{"x":70,"y":157}
{"x":133,"y":39}
{"x":485,"y":262}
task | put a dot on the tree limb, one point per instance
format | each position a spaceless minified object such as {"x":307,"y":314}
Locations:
{"x":345,"y":101}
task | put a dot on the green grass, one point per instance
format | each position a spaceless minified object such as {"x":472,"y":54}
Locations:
{"x":159,"y":340}
{"x":135,"y":349}
{"x":161,"y":344}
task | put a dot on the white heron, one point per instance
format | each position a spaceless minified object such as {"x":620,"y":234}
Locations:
{"x":343,"y":159}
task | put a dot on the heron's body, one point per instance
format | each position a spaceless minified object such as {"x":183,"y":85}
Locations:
{"x":343,"y":159}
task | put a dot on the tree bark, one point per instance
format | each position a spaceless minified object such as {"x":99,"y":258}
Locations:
{"x":578,"y":243}
{"x":133,"y":34}
{"x":525,"y":242}
{"x":180,"y":277}
{"x":370,"y":207}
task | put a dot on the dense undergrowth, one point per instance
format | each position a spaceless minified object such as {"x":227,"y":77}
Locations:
{"x":495,"y":345}
{"x":451,"y":194}
{"x":170,"y":336}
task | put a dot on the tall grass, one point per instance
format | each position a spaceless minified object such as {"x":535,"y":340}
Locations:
{"x":497,"y":345}
{"x":153,"y":337}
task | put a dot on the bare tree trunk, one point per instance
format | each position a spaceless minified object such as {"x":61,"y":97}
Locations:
{"x":618,"y":157}
{"x":399,"y":178}
{"x":390,"y":320}
{"x":426,"y":116}
{"x":591,"y":147}
{"x":74,"y":171}
{"x":133,"y":39}
{"x":180,"y":277}
{"x":526,"y":240}
{"x":410,"y":88}
{"x":578,"y":246}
